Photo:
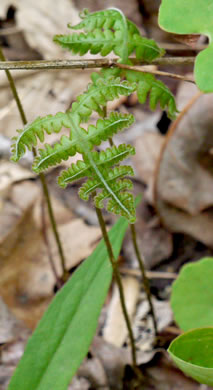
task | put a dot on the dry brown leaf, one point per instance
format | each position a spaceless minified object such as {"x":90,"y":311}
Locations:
{"x":10,"y":327}
{"x":154,"y":241}
{"x":162,"y":375}
{"x":115,"y":330}
{"x":114,"y":360}
{"x":14,"y":213}
{"x":184,"y":180}
{"x":42,"y":93}
{"x":11,"y":173}
{"x":148,"y":147}
{"x":143,"y":323}
{"x":27,"y":281}
{"x":41,"y":20}
{"x":187,"y":39}
{"x":61,"y":213}
{"x":186,"y":91}
{"x":93,"y":370}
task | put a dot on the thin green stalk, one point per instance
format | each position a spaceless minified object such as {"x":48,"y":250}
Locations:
{"x":116,"y":271}
{"x":139,"y":256}
{"x":143,"y":272}
{"x":54,"y":226}
{"x":41,"y":175}
{"x":119,"y":284}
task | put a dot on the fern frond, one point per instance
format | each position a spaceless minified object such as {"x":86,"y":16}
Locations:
{"x":103,"y":42}
{"x":105,"y":128}
{"x":110,"y":176}
{"x":106,"y":19}
{"x":158,"y":92}
{"x":107,"y":31}
{"x":103,"y":160}
{"x":147,"y":87}
{"x":107,"y":41}
{"x":124,"y":207}
{"x":145,"y":49}
{"x":28,"y":136}
{"x":96,"y":96}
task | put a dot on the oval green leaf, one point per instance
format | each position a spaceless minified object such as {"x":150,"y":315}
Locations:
{"x":63,"y":336}
{"x":192,"y":295}
{"x":192,"y":17}
{"x":192,"y":353}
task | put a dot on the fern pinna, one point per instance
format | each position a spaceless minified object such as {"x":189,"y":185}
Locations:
{"x":101,"y":168}
{"x":103,"y":32}
{"x":109,"y":30}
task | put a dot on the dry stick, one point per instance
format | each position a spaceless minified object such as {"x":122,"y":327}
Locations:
{"x":119,"y":283}
{"x":145,"y":279}
{"x":149,"y":274}
{"x":89,"y":63}
{"x":145,"y":69}
{"x":41,"y":175}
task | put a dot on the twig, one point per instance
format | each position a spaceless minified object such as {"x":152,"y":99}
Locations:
{"x":144,"y":69}
{"x":143,"y":272}
{"x":149,"y":274}
{"x":119,"y":283}
{"x":89,"y":63}
{"x":182,"y":47}
{"x":41,"y":175}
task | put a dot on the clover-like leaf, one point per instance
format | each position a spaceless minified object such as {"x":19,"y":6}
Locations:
{"x":192,"y":353}
{"x":192,"y":296}
{"x":192,"y":17}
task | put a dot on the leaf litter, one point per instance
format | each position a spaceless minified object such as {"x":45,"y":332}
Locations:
{"x":27,"y":282}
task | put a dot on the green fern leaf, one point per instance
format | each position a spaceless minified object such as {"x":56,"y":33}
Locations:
{"x":103,"y":160}
{"x":96,"y":96}
{"x":120,"y":185}
{"x":105,"y":128}
{"x":28,"y":136}
{"x":107,"y":31}
{"x":125,"y":206}
{"x":158,"y":91}
{"x":110,"y":176}
{"x":145,"y":49}
{"x":106,"y":19}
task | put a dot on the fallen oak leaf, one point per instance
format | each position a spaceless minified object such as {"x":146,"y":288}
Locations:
{"x":183,"y":180}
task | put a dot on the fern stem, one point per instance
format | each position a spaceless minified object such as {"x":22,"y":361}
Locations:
{"x":54,"y":226}
{"x":119,"y":284}
{"x":121,"y":291}
{"x":115,"y":269}
{"x":47,"y":243}
{"x":125,"y":55}
{"x":14,"y":90}
{"x":41,"y":175}
{"x":143,"y":272}
{"x":89,"y":63}
{"x":139,"y":257}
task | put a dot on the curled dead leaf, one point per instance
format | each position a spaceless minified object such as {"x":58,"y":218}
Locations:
{"x":184,"y":175}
